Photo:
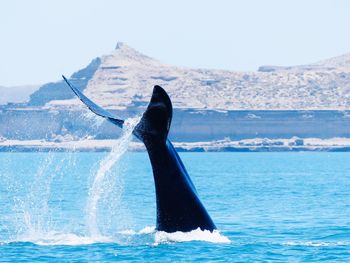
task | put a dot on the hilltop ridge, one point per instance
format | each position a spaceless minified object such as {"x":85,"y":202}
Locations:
{"x":124,"y":79}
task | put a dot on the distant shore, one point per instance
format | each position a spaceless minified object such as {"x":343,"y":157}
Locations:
{"x":293,"y":144}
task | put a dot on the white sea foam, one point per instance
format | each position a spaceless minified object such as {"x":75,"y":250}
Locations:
{"x":146,"y":230}
{"x":195,"y":235}
{"x":164,"y":237}
{"x":53,"y":238}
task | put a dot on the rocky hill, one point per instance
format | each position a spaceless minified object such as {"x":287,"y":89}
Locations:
{"x":307,"y":101}
{"x":125,"y":78}
{"x":59,"y":91}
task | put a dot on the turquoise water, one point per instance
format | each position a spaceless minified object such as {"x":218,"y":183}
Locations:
{"x":280,"y":207}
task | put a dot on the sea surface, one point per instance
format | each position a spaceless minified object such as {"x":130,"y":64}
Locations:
{"x":84,"y":207}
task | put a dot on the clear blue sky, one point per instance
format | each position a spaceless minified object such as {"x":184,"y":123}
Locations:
{"x":41,"y":39}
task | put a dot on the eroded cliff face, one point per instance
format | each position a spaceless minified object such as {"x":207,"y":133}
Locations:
{"x":275,"y":102}
{"x":58,"y":90}
{"x":125,"y":78}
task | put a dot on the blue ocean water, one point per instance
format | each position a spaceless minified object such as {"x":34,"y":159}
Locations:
{"x":273,"y":207}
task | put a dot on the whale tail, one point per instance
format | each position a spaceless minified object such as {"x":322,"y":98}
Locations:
{"x":156,"y":120}
{"x":178,"y":205}
{"x":93,"y":107}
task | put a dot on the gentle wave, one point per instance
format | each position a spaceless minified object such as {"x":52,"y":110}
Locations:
{"x":316,"y":244}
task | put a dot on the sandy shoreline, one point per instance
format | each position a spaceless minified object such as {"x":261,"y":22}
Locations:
{"x":248,"y":145}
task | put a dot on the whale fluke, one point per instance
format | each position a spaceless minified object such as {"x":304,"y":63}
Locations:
{"x":93,"y":107}
{"x":178,"y":205}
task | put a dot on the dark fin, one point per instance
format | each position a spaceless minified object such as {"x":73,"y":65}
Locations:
{"x":93,"y":107}
{"x":156,"y":120}
{"x":182,"y":166}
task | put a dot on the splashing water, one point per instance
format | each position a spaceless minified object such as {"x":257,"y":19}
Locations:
{"x":47,"y":219}
{"x":99,"y":186}
{"x":35,"y":219}
{"x":94,"y":120}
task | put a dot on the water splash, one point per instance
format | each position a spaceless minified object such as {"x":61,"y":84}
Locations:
{"x":34,"y":217}
{"x":100,"y":185}
{"x":43,"y":217}
{"x":94,"y":120}
{"x":37,"y":214}
{"x":194,"y":235}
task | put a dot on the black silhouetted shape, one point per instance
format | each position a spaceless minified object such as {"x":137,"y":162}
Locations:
{"x":178,"y":205}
